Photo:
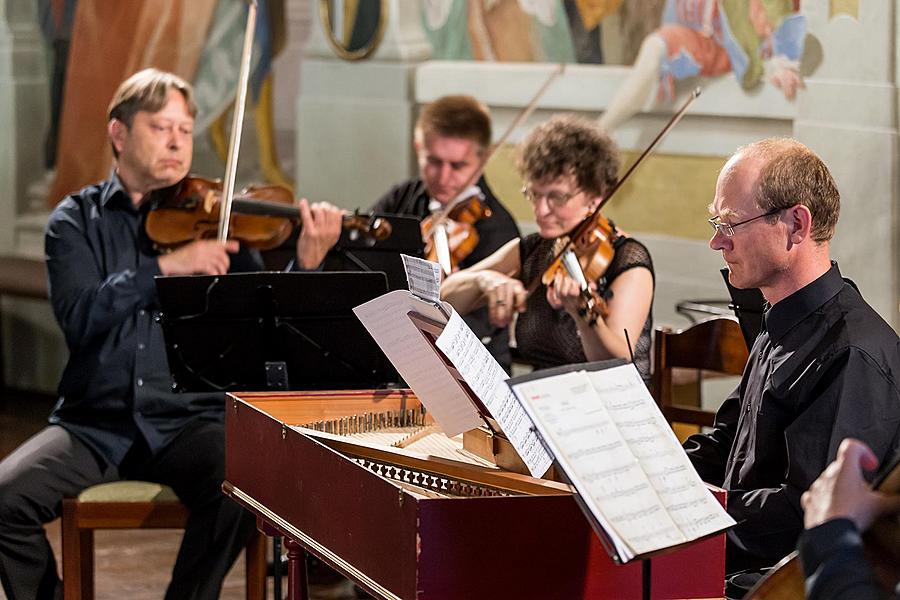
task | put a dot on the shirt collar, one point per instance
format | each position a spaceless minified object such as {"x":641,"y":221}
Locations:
{"x":782,"y":317}
{"x":113,"y":189}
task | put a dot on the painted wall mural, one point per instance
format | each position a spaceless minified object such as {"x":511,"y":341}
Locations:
{"x":758,"y":41}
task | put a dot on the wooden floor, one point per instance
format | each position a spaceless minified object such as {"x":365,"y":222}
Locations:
{"x":128,"y":564}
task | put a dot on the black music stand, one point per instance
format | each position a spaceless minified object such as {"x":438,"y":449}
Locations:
{"x":354,"y":252}
{"x":748,"y":305}
{"x":271,"y":331}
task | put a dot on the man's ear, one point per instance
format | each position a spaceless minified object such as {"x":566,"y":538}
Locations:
{"x":799,"y":222}
{"x":117,"y":131}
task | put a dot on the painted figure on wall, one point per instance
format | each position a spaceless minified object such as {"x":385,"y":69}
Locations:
{"x":110,"y":40}
{"x":756,"y":40}
{"x":516,"y":30}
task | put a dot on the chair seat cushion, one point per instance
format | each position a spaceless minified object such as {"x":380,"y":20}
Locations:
{"x":128,"y":491}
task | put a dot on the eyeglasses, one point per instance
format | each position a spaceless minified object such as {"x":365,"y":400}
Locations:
{"x":554,"y":199}
{"x":727,"y":229}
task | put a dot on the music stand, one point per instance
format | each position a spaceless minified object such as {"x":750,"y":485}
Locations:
{"x":748,"y":305}
{"x":354,"y":252}
{"x":271,"y":331}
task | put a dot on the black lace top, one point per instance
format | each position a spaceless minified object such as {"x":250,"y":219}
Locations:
{"x":547,"y":337}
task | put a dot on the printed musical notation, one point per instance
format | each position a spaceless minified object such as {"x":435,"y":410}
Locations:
{"x":623,"y":459}
{"x":487,"y":379}
{"x":423,"y":278}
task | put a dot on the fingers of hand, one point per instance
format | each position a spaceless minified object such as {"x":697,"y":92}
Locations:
{"x":208,"y":256}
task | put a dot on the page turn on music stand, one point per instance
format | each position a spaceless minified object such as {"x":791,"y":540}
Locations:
{"x":271,"y":331}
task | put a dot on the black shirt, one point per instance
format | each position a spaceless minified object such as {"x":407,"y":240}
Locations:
{"x":116,"y":385}
{"x":548,"y":337}
{"x":411,"y":198}
{"x":824,"y":367}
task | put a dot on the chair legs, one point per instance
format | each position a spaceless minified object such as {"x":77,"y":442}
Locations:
{"x":78,"y":555}
{"x":78,"y":548}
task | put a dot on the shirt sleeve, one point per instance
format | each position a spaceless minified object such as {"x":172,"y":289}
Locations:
{"x":708,"y":452}
{"x":86,"y":303}
{"x":850,"y":397}
{"x":388,"y":203}
{"x":835,"y":565}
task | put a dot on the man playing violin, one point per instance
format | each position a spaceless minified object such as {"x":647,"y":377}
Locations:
{"x":569,"y":165}
{"x":117,"y":417}
{"x":824,"y":367}
{"x":452,"y":135}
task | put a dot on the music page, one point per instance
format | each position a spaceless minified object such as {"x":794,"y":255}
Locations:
{"x":488,"y":380}
{"x":590,"y":449}
{"x":411,"y":354}
{"x":651,"y":440}
{"x":629,"y":469}
{"x":423,"y":277}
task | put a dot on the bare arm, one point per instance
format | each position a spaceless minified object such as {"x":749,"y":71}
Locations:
{"x":490,"y":282}
{"x":628,"y":309}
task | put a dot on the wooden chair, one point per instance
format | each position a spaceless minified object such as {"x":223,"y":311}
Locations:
{"x":715,"y":344}
{"x":131,"y":505}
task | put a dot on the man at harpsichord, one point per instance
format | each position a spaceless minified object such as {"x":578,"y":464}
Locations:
{"x":824,"y":367}
{"x":452,"y":137}
{"x":117,"y":416}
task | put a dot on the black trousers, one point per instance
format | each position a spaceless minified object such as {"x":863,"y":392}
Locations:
{"x":54,"y":464}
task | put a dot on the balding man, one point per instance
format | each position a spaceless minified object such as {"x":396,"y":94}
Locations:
{"x":824,"y":367}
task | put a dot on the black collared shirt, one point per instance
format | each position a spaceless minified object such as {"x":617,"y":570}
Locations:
{"x":824,"y":367}
{"x":411,"y":198}
{"x":116,"y":384}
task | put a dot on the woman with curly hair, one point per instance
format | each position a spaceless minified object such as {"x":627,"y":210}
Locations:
{"x":569,"y":165}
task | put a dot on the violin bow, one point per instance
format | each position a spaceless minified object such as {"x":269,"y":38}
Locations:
{"x":580,"y":229}
{"x":237,"y":122}
{"x":523,"y":114}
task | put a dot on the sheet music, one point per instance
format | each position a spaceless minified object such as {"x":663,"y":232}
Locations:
{"x":488,"y":380}
{"x":608,"y":435}
{"x":386,"y":320}
{"x":423,"y":278}
{"x":651,"y":440}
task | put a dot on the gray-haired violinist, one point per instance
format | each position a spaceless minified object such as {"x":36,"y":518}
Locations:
{"x":117,"y":416}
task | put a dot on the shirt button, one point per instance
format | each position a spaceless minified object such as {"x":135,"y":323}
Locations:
{"x":140,"y":382}
{"x":141,"y":346}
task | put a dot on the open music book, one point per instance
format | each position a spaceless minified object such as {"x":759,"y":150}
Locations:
{"x":634,"y":481}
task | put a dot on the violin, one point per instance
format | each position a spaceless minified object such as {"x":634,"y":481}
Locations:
{"x":262,"y":217}
{"x":587,"y":260}
{"x":450,"y":235}
{"x":449,"y":248}
{"x":587,"y":251}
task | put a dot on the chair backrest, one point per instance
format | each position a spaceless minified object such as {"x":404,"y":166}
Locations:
{"x":715,"y":344}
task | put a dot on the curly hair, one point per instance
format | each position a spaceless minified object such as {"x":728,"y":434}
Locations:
{"x":793,"y":174}
{"x":570,"y":145}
